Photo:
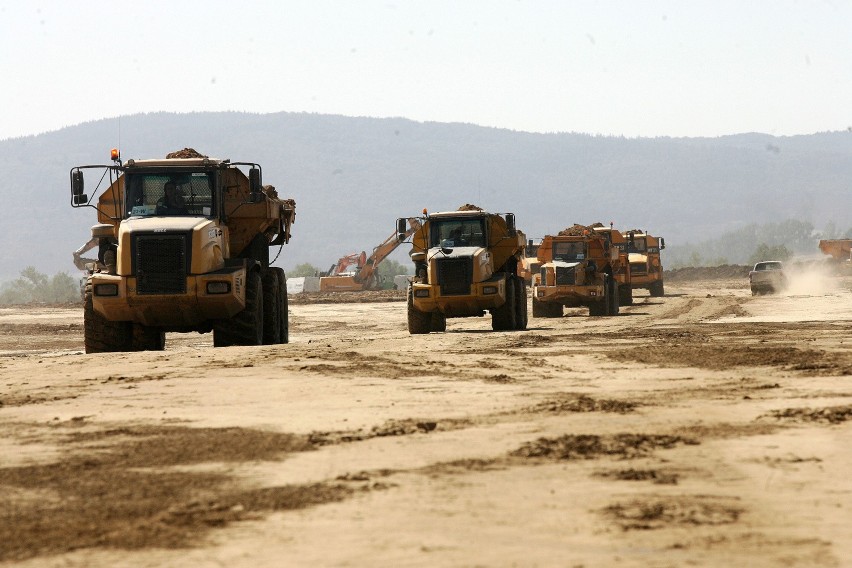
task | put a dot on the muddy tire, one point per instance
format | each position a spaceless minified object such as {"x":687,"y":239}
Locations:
{"x":598,"y":308}
{"x":625,"y":295}
{"x":546,"y":309}
{"x":147,"y":338}
{"x":658,"y":291}
{"x":101,"y":335}
{"x":245,"y":328}
{"x":439,"y":321}
{"x":521,"y":313}
{"x":612,"y":294}
{"x":271,"y":308}
{"x":503,"y":318}
{"x":418,"y":322}
{"x":284,"y":307}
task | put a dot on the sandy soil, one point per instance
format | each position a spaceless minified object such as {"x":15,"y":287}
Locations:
{"x":706,"y":428}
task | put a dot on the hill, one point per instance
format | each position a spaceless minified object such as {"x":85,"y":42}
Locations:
{"x":351,"y":178}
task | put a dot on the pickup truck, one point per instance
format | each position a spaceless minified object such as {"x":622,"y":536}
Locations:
{"x":767,"y":277}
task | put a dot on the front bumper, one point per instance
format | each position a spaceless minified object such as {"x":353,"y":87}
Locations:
{"x":569,"y":295}
{"x":484,"y":296}
{"x":116,"y":299}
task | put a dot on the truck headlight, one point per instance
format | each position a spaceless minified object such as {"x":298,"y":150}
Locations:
{"x":424,"y":293}
{"x":218,"y":287}
{"x":106,"y":289}
{"x":489,"y":289}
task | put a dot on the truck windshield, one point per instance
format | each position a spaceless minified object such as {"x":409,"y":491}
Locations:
{"x":172,"y":193}
{"x":570,"y":251}
{"x":457,"y":233}
{"x":638,"y":245}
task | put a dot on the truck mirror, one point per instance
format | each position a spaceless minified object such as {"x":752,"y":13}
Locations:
{"x":254,"y":180}
{"x":77,"y":182}
{"x":401,"y":225}
{"x":662,"y":243}
{"x":254,"y":186}
{"x":80,"y":199}
{"x":510,"y":224}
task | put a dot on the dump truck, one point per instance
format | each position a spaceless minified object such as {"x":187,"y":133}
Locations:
{"x":529,"y":263}
{"x":465,"y":264}
{"x":579,"y":267}
{"x":621,"y":267}
{"x":183,"y":245}
{"x":646,"y":268}
{"x":839,"y":250}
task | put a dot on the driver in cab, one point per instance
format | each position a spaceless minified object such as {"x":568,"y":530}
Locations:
{"x":172,"y":202}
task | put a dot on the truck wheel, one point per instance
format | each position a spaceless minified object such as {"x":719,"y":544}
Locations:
{"x":598,"y":308}
{"x":101,"y":335}
{"x":418,"y":322}
{"x":439,"y":322}
{"x":245,"y":328}
{"x":657,"y":289}
{"x":521,"y":315}
{"x":147,"y":338}
{"x":546,"y":309}
{"x":503,"y":317}
{"x":625,"y":295}
{"x":271,"y":308}
{"x":612,"y":297}
{"x":284,"y":308}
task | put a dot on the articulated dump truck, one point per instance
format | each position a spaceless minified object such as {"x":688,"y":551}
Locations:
{"x":183,"y":245}
{"x":646,"y":268}
{"x":579,"y":268}
{"x":465,"y":263}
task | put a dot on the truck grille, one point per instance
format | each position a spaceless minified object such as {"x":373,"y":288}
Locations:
{"x":638,"y":268}
{"x":455,"y":276}
{"x":565,"y":276}
{"x":160,"y":264}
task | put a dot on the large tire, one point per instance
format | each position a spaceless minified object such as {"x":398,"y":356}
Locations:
{"x":521,"y":314}
{"x":612,"y":297}
{"x":503,"y":318}
{"x":284,"y":308}
{"x":439,"y":322}
{"x":245,"y":328}
{"x":147,"y":338}
{"x":625,"y":295}
{"x":418,"y":322}
{"x":101,"y":335}
{"x":271,"y":308}
{"x":658,"y":291}
{"x":546,"y":309}
{"x":598,"y":308}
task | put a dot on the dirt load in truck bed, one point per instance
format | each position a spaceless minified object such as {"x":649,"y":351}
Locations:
{"x":706,"y":428}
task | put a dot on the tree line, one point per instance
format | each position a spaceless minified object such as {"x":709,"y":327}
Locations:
{"x":34,"y":287}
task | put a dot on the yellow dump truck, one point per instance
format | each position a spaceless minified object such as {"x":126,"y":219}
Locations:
{"x":621,"y":267}
{"x":646,"y":267}
{"x":183,"y":245}
{"x":465,"y":264}
{"x":579,"y":267}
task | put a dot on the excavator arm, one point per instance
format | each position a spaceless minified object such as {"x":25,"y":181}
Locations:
{"x":367,"y":274}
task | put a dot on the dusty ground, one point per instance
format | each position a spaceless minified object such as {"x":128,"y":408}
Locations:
{"x":706,"y":428}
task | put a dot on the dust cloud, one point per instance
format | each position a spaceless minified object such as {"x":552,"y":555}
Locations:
{"x":811,"y":280}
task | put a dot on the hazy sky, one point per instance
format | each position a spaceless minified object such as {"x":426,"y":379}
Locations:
{"x":631,"y":67}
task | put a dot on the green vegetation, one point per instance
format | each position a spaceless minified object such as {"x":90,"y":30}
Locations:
{"x":33,"y":287}
{"x":752,"y":243}
{"x":304,"y":269}
{"x":388,"y":269}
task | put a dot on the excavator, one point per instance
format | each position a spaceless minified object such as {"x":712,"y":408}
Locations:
{"x":365,"y":275}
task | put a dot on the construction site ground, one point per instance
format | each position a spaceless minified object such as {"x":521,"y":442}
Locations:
{"x":704,"y":428}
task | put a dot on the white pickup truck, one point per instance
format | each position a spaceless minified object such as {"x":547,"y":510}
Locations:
{"x":767,"y":278}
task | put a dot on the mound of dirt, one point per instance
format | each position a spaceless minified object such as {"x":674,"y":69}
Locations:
{"x":185,"y":153}
{"x":469,"y":207}
{"x":364,"y":296}
{"x":578,"y":230}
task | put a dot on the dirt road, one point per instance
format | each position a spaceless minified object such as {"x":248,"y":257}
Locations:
{"x":706,"y":428}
